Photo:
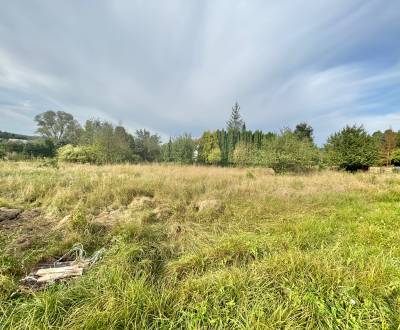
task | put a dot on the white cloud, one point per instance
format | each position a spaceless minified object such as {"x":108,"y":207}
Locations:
{"x":179,"y":65}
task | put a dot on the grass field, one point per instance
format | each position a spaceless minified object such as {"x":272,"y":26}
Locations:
{"x":199,"y":247}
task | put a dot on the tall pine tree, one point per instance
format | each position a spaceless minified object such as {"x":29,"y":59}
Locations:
{"x":235,"y":122}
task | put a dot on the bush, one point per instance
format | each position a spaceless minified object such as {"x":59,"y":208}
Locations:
{"x":352,"y":149}
{"x":79,"y":154}
{"x":287,"y":153}
{"x":243,"y":154}
{"x":20,"y":150}
{"x":2,"y":151}
{"x":39,"y":149}
{"x":395,"y":159}
{"x":215,"y":156}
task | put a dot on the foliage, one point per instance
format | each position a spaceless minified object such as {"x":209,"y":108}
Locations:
{"x":206,"y":145}
{"x":227,"y":142}
{"x":287,"y":153}
{"x":166,"y":151}
{"x":182,"y":149}
{"x":244,"y":154}
{"x":147,"y":145}
{"x":388,"y":144}
{"x":304,"y":131}
{"x":352,"y":148}
{"x":395,"y":157}
{"x":235,"y":121}
{"x":2,"y":150}
{"x":80,"y":154}
{"x":214,"y":157}
{"x":60,"y":127}
{"x":39,"y":148}
{"x":27,"y":149}
{"x":113,"y":144}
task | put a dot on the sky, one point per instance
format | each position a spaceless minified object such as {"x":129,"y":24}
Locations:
{"x":179,"y":65}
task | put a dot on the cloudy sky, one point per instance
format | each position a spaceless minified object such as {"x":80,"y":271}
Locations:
{"x":178,"y":66}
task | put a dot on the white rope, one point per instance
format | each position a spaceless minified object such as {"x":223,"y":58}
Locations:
{"x":80,"y":255}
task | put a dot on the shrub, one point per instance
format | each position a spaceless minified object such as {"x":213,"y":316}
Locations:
{"x":243,"y":154}
{"x":287,"y":153}
{"x":352,"y":148}
{"x":215,"y":156}
{"x":395,"y":159}
{"x":2,"y":151}
{"x":39,"y":149}
{"x":79,"y":154}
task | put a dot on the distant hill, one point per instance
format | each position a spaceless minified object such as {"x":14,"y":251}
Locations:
{"x":8,"y":135}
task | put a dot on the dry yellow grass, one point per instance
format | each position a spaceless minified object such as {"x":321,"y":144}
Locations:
{"x":318,"y":250}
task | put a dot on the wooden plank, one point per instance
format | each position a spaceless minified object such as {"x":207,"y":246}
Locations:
{"x":44,"y":271}
{"x":58,"y":276}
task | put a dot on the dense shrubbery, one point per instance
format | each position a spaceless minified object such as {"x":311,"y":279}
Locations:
{"x":100,"y":142}
{"x":22,"y":149}
{"x":79,"y":154}
{"x":395,"y":158}
{"x":179,"y":150}
{"x":289,"y":153}
{"x":352,"y":149}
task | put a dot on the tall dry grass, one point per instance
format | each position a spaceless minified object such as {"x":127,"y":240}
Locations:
{"x":278,"y":251}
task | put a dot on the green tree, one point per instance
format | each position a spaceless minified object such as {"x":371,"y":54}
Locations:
{"x":39,"y":148}
{"x":395,"y":160}
{"x":183,"y":149}
{"x":214,"y":157}
{"x":166,"y":150}
{"x":352,"y":148}
{"x":235,"y":122}
{"x":112,"y":144}
{"x":60,"y":127}
{"x":244,"y":154}
{"x":209,"y":151}
{"x":387,"y":146}
{"x":286,"y":153}
{"x":304,"y":131}
{"x":147,"y":145}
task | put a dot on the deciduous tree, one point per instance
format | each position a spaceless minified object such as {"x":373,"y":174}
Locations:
{"x":60,"y":127}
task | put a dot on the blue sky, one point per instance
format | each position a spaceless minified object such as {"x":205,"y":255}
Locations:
{"x":178,"y":66}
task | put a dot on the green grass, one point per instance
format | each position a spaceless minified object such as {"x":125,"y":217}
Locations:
{"x":315,"y":251}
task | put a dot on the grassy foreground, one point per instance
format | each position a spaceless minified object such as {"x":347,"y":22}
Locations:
{"x":197,"y":247}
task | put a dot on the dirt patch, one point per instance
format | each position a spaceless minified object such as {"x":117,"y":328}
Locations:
{"x":7,"y":214}
{"x":209,"y":204}
{"x":14,"y":218}
{"x":106,"y":218}
{"x":142,"y":202}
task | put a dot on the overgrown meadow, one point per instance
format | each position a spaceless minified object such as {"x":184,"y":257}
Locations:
{"x":202,"y":247}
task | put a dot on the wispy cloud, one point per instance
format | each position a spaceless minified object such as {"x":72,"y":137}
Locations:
{"x":179,"y":65}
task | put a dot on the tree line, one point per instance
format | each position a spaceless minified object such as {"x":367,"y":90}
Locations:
{"x":290,"y":150}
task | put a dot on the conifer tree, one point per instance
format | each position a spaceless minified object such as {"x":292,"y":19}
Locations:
{"x":235,"y":122}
